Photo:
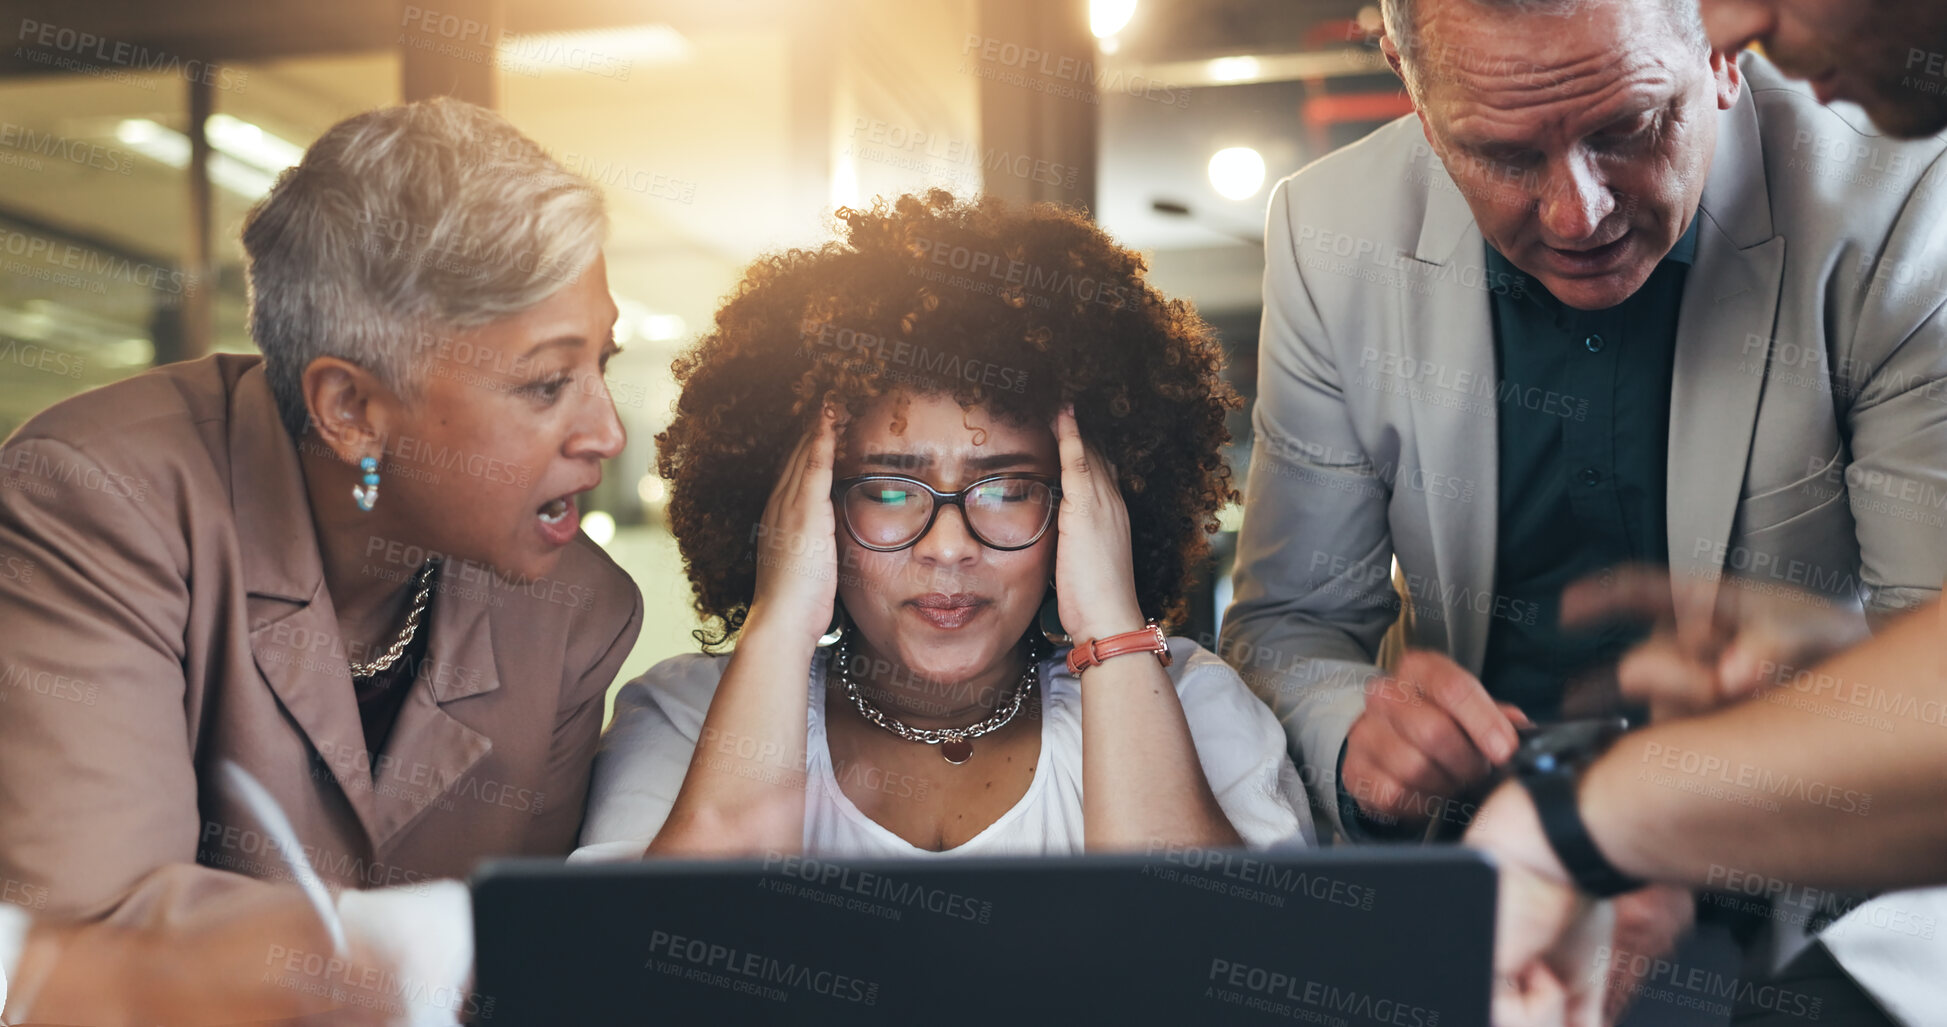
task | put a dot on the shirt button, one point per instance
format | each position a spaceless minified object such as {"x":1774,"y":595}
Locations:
{"x":1594,"y":342}
{"x":1591,"y":477}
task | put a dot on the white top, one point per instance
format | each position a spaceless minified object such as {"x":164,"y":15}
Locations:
{"x":14,"y":923}
{"x":1894,"y":946}
{"x":658,"y":716}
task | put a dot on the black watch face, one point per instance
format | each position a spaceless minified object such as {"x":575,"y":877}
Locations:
{"x":1568,"y":743}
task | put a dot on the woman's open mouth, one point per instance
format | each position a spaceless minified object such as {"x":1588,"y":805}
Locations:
{"x":558,"y":519}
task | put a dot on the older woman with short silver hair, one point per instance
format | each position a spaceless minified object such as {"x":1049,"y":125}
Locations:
{"x":284,"y":634}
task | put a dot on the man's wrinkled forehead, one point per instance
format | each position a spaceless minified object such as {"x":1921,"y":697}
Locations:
{"x":1488,"y":114}
{"x":1485,"y":107}
{"x":1541,"y":55}
{"x":1446,"y":60}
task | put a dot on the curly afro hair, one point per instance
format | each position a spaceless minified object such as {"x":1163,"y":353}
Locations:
{"x":1022,"y":309}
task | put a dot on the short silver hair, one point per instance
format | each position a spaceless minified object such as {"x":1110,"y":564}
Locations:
{"x":1403,"y":29}
{"x":401,"y":223}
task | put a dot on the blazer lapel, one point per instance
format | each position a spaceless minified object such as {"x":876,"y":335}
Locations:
{"x":300,"y":655}
{"x":1730,"y":300}
{"x":429,"y":750}
{"x":293,"y":626}
{"x":1449,"y":330}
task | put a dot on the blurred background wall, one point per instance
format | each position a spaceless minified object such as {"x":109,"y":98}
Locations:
{"x":134,"y":135}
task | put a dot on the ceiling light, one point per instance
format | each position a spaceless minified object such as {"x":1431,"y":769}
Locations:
{"x":600,"y":527}
{"x":1234,"y":69}
{"x":1107,"y":17}
{"x":635,"y":320}
{"x":610,"y":53}
{"x":651,"y":490}
{"x":1237,"y":172}
{"x":244,"y":158}
{"x":251,"y":144}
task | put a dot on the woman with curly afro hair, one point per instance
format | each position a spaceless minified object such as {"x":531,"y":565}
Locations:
{"x":944,"y":483}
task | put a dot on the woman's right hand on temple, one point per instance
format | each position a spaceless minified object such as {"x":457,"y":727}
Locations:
{"x":747,"y":797}
{"x":797,"y":541}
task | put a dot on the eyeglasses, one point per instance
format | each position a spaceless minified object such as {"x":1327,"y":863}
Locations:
{"x":889,"y":512}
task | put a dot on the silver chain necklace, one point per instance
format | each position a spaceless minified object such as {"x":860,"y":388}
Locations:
{"x":399,"y":644}
{"x":956,"y":743}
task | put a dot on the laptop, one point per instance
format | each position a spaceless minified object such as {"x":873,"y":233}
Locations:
{"x":1399,"y":937}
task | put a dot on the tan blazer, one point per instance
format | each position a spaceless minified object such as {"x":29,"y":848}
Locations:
{"x":162,"y":609}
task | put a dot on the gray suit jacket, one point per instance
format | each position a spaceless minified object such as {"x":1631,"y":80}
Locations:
{"x":1808,"y":422}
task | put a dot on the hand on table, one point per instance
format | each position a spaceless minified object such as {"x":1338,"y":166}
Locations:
{"x":274,"y":956}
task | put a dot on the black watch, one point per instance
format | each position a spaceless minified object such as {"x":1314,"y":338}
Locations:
{"x":1549,"y":763}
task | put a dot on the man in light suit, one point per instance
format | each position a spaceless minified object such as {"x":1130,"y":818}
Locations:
{"x":1608,"y":296}
{"x":1889,"y":57}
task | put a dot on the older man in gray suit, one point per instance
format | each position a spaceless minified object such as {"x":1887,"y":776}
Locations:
{"x":1608,"y":296}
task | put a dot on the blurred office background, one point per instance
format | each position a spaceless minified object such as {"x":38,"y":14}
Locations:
{"x":134,"y":136}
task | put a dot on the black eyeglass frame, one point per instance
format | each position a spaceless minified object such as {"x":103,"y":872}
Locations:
{"x":945,"y":499}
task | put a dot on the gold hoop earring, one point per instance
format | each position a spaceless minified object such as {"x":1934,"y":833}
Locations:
{"x":836,"y":632}
{"x":1048,"y":619}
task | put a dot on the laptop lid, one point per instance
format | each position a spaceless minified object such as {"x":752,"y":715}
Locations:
{"x":1353,"y":937}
